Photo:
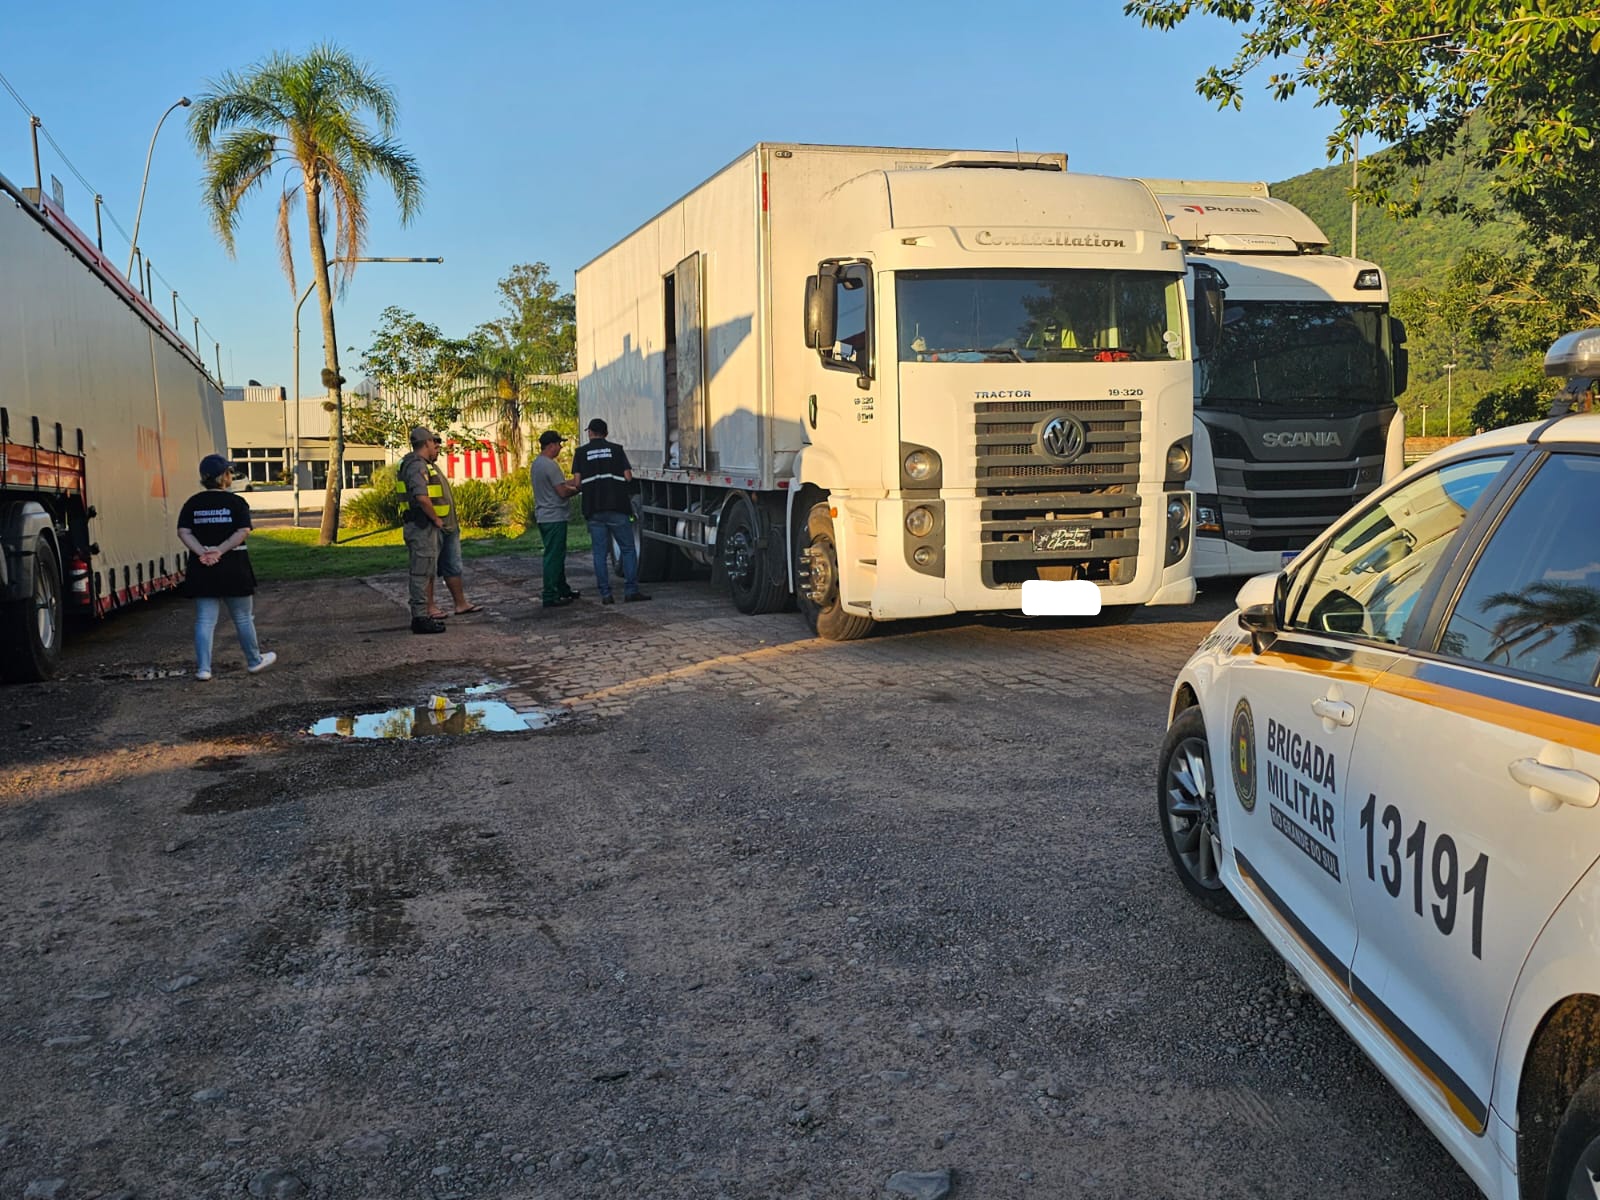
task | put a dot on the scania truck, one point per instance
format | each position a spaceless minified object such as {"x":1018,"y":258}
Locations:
{"x":1295,"y":409}
{"x":105,"y":413}
{"x":892,"y":383}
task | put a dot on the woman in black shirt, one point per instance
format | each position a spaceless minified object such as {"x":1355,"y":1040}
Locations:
{"x":214,"y":524}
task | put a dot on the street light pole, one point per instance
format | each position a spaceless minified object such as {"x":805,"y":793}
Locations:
{"x":1449,"y":394}
{"x":294,"y":453}
{"x":182,"y":102}
{"x":1424,"y":420}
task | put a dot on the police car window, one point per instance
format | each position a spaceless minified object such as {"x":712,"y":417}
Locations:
{"x":1365,"y":583}
{"x":1532,"y":601}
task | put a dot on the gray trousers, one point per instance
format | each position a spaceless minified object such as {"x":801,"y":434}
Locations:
{"x":422,"y":547}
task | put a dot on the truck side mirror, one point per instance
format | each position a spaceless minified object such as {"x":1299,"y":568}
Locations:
{"x":822,"y":307}
{"x":1210,"y":289}
{"x":1402,"y":356}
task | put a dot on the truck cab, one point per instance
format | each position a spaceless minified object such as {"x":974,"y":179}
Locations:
{"x":1295,"y":410}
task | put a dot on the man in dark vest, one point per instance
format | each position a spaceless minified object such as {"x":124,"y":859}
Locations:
{"x":604,"y":476}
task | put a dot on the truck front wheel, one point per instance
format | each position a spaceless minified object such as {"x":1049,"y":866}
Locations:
{"x":816,"y":575}
{"x":31,"y":628}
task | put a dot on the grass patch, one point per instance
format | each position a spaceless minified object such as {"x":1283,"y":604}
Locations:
{"x":289,"y":554}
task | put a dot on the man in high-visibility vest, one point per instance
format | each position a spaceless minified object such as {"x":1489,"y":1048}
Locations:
{"x":430,"y":514}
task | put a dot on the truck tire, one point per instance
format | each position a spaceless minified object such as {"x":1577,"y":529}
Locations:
{"x":753,"y":584}
{"x":817,"y":581}
{"x":31,"y":629}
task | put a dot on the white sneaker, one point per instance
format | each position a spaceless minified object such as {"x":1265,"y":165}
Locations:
{"x":203,"y":676}
{"x":267,"y":660}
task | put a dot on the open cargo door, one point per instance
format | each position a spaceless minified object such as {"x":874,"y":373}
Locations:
{"x":689,"y":324}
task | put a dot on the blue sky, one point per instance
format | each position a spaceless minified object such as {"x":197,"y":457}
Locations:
{"x":546,"y":131}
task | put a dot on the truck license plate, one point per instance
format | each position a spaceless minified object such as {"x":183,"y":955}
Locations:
{"x":1050,"y":538}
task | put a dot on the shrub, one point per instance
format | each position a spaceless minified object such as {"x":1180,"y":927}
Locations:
{"x":477,"y":506}
{"x":380,"y":506}
{"x":515,"y":494}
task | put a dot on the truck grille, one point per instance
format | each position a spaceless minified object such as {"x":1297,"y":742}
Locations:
{"x":1026,"y":491}
{"x":1280,"y":508}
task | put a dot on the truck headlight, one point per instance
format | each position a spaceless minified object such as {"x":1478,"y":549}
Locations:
{"x":920,"y":466}
{"x":920,"y":522}
{"x":1179,"y":459}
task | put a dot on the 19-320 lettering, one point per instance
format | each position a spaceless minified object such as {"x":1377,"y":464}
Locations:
{"x":1391,"y":864}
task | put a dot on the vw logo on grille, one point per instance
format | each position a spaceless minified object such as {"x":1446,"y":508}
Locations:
{"x":1064,"y":438}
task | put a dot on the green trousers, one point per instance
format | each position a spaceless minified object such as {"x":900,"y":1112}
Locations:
{"x":554,"y":537}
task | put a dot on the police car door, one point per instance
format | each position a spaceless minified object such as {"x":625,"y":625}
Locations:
{"x":1475,"y":785}
{"x":1296,"y":703}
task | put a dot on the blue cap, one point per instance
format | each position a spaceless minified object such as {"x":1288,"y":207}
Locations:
{"x":213,"y":465}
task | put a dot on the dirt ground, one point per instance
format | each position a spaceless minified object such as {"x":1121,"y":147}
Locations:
{"x":751,"y":916}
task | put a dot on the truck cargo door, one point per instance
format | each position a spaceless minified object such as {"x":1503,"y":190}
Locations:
{"x":690,"y":345}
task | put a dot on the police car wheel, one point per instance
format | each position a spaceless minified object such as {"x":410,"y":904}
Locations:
{"x":1575,"y":1158}
{"x":1187,"y":801}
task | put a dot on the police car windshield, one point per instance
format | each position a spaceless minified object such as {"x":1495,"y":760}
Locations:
{"x":1038,"y":316}
{"x":1280,"y":355}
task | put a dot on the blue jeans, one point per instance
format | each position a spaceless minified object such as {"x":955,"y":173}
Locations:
{"x":242,"y":610}
{"x":602,"y":528}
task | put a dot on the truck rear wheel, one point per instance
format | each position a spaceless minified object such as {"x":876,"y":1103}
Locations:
{"x":816,"y":575}
{"x":31,"y":629}
{"x":752,"y":583}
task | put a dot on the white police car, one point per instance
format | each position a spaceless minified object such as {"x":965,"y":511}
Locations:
{"x":1389,"y":759}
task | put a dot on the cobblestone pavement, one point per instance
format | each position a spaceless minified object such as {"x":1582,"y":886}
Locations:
{"x":689,"y":637}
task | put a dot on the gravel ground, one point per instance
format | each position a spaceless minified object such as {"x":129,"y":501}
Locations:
{"x":753,"y":916}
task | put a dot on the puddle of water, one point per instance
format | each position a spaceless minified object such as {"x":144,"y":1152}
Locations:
{"x":433,"y":720}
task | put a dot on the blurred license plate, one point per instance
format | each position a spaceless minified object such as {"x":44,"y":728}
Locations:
{"x":1061,"y":537}
{"x":1288,"y":557}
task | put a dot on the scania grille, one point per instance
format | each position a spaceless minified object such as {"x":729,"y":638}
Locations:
{"x":1045,"y":517}
{"x":1281,"y":506}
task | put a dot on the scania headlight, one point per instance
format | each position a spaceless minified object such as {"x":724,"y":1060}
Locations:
{"x":920,"y":522}
{"x":919,"y":466}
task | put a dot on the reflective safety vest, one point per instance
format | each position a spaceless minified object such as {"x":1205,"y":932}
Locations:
{"x":435,"y":478}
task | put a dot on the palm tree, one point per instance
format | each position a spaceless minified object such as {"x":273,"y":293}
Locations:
{"x":305,"y":113}
{"x":510,"y":381}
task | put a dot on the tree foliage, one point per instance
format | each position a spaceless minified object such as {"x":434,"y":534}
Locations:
{"x":1410,"y":76}
{"x":510,"y":374}
{"x":539,"y":318}
{"x":1523,"y":397}
{"x":305,"y":114}
{"x":416,"y":369}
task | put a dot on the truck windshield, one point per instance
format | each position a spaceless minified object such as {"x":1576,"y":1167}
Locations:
{"x":1038,"y":316}
{"x":1284,"y":355}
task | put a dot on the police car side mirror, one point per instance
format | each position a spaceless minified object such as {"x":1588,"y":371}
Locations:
{"x":1258,"y":619}
{"x":1260,"y":607}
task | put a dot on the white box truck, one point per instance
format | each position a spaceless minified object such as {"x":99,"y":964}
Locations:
{"x":105,"y":414}
{"x":891,"y":383}
{"x":1295,"y":409}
